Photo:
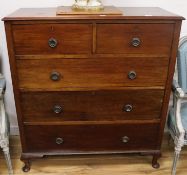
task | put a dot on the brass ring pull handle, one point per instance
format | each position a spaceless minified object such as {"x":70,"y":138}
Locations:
{"x":52,"y":42}
{"x":135,"y":42}
{"x":55,"y":76}
{"x":132,"y":75}
{"x":125,"y":139}
{"x":57,"y":109}
{"x":59,"y":141}
{"x":128,"y":108}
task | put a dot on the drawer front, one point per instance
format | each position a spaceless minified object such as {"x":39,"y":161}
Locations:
{"x":135,"y":38}
{"x":54,"y":74}
{"x":91,"y":105}
{"x":79,"y":138}
{"x":52,"y":38}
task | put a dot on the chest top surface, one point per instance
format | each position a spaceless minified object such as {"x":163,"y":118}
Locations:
{"x":128,"y":13}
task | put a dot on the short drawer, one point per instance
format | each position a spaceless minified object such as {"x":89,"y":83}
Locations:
{"x":61,"y":74}
{"x":135,"y":38}
{"x":91,"y":105}
{"x":82,"y":138}
{"x":52,"y":39}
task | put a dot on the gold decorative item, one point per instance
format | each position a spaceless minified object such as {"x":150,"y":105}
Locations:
{"x":88,"y":5}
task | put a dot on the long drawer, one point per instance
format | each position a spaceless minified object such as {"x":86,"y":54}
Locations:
{"x":135,"y":38}
{"x":52,"y":39}
{"x":91,"y":105}
{"x":85,"y":138}
{"x":54,"y":74}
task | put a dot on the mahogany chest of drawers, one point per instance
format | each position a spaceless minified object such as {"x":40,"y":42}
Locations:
{"x":91,"y":84}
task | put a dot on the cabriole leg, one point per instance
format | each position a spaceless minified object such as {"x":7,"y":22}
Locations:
{"x":26,"y":158}
{"x":27,"y":165}
{"x":155,"y":163}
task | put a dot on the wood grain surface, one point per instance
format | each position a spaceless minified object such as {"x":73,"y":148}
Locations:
{"x":89,"y":73}
{"x":142,"y":41}
{"x":91,"y":138}
{"x":126,"y":164}
{"x":91,"y":105}
{"x":116,"y":38}
{"x":71,"y":38}
{"x":107,"y":10}
{"x":139,"y":13}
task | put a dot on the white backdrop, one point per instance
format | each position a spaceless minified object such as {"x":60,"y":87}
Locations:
{"x":8,"y":6}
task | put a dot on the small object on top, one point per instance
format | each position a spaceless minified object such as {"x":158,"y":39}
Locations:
{"x":106,"y":10}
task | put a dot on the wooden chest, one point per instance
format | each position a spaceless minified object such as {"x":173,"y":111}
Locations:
{"x":92,"y":84}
